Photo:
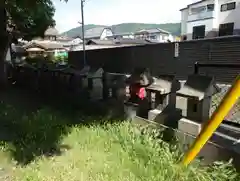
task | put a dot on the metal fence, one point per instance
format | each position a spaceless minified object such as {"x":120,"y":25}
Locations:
{"x":203,"y":69}
{"x":180,"y":142}
{"x":234,"y":114}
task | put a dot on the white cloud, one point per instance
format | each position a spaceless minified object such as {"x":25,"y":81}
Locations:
{"x":108,"y":12}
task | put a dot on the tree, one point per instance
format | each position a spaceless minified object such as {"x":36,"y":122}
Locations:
{"x":22,"y":18}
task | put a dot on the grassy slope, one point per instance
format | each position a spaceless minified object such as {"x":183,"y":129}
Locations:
{"x":174,"y":28}
{"x":44,"y":146}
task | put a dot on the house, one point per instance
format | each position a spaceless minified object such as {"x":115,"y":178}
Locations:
{"x":155,"y":34}
{"x":94,"y":44}
{"x":51,"y":34}
{"x":76,"y":41}
{"x":64,"y":39}
{"x":210,"y":18}
{"x":100,"y":33}
{"x":43,"y":47}
{"x":115,"y":42}
{"x":122,"y":36}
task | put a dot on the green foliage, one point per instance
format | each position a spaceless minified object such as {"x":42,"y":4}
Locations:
{"x":61,"y":57}
{"x":36,"y":61}
{"x":174,"y":28}
{"x":31,"y":134}
{"x":30,"y":18}
{"x":53,"y":149}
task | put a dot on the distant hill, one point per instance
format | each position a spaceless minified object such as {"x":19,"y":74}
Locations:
{"x":174,"y":28}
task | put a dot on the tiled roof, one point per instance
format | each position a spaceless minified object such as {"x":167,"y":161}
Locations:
{"x":153,"y":30}
{"x":51,"y":32}
{"x":46,"y":45}
{"x":192,"y":4}
{"x":118,"y":42}
{"x":94,"y":32}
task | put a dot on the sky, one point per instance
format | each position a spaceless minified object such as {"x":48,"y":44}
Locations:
{"x":110,"y":12}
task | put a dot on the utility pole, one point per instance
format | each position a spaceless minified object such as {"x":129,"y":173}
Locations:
{"x":83,"y":37}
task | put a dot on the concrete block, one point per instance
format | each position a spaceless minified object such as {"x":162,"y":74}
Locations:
{"x":96,"y":93}
{"x":181,"y":103}
{"x":168,"y":117}
{"x":152,"y":114}
{"x":130,"y":111}
{"x":158,"y":116}
{"x":189,"y":126}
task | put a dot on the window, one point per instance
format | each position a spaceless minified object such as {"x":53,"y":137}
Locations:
{"x":198,"y":32}
{"x":210,"y":7}
{"x":153,"y":37}
{"x":226,"y":29}
{"x":197,"y":10}
{"x":228,"y":6}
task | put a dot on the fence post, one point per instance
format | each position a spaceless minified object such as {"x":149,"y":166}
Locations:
{"x":196,"y":68}
{"x":225,"y":106}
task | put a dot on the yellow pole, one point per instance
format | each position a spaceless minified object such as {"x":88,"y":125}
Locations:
{"x":220,"y":113}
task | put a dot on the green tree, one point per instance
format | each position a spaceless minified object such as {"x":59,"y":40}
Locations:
{"x":22,"y":18}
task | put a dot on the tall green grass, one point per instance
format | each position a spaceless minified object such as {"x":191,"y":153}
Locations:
{"x":44,"y":145}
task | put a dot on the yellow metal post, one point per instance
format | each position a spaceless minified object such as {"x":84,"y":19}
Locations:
{"x":220,"y":113}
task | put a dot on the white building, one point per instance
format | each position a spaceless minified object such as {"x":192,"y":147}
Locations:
{"x":121,"y":36}
{"x":155,"y":34}
{"x":210,"y":18}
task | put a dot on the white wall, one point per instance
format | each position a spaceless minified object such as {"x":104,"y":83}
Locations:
{"x":211,"y":24}
{"x":208,"y":26}
{"x":128,"y":36}
{"x":163,"y":37}
{"x":184,"y":17}
{"x":159,"y":37}
{"x":231,"y":15}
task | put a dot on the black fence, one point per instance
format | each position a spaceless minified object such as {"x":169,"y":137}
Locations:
{"x":161,"y":58}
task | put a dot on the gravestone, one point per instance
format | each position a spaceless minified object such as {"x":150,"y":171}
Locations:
{"x":95,"y":85}
{"x":162,"y":94}
{"x":195,"y":97}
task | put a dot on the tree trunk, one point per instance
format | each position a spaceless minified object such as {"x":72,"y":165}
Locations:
{"x":4,"y":42}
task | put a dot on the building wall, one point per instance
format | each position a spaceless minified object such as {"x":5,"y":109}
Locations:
{"x":121,"y":36}
{"x":159,"y":37}
{"x":184,"y":17}
{"x":231,"y":15}
{"x":208,"y":25}
{"x":190,"y":19}
{"x":210,"y":19}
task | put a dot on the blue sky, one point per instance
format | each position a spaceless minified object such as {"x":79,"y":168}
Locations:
{"x":109,"y":12}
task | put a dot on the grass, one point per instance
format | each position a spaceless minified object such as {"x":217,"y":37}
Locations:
{"x":46,"y":145}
